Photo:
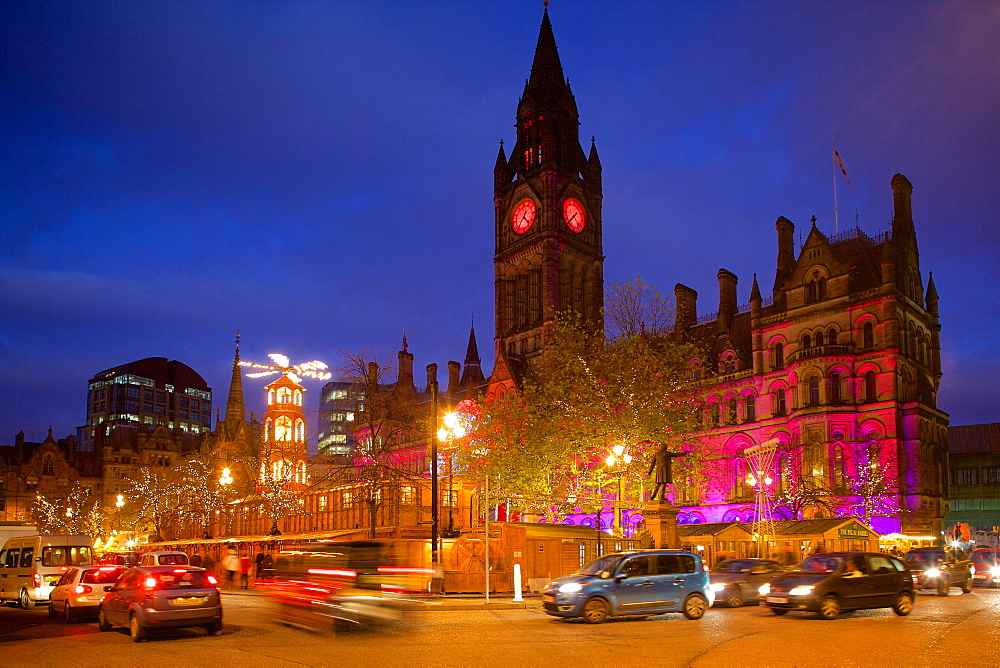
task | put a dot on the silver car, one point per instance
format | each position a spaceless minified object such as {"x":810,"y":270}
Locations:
{"x":737,"y":581}
{"x":80,"y":590}
{"x":161,"y":597}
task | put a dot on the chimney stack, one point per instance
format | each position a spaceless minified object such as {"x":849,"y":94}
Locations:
{"x":687,"y":307}
{"x":432,"y":375}
{"x":727,"y":299}
{"x":454,"y":371}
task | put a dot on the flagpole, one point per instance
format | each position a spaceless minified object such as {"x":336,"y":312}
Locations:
{"x":836,"y":209}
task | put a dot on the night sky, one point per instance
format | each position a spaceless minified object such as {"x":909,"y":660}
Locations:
{"x":319,"y":175}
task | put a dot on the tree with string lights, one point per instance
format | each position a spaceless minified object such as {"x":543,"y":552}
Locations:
{"x":156,"y":499}
{"x":79,"y":512}
{"x":202,"y":492}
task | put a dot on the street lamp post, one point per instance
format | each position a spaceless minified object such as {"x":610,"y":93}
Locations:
{"x":434,"y":467}
{"x":225,"y":479}
{"x":118,"y":512}
{"x":451,"y":430}
{"x":618,"y":461}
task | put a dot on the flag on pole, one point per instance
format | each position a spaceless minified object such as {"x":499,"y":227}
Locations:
{"x":839,"y":162}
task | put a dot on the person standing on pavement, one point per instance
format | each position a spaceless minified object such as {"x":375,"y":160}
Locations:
{"x":259,"y":562}
{"x":245,"y":562}
{"x":231,"y":564}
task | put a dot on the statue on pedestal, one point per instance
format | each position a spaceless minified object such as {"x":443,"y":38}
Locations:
{"x":662,"y":464}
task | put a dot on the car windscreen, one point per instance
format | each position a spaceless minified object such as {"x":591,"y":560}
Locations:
{"x":923,"y":559}
{"x":101,"y":576}
{"x":733,"y":566}
{"x":172,"y":559}
{"x":821,"y":564}
{"x":990,"y":559}
{"x":600,"y":565}
{"x":181,"y":579}
{"x":67,"y":555}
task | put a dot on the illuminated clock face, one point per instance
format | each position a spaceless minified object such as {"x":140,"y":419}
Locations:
{"x":524,"y":216}
{"x":573,"y":213}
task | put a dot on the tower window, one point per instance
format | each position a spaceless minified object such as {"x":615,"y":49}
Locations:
{"x":807,"y":341}
{"x":779,"y":356}
{"x":814,"y":391}
{"x":780,"y":402}
{"x":836,"y":388}
{"x":867,"y":336}
{"x":751,"y":409}
{"x":870,"y":389}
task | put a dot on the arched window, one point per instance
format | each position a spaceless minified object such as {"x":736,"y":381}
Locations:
{"x":839,"y":470}
{"x":867,"y":336}
{"x":751,"y":409}
{"x":284,"y":395}
{"x":870,"y":389}
{"x":48,"y":466}
{"x":807,"y":341}
{"x":713,"y":414}
{"x":297,"y":397}
{"x":270,"y":396}
{"x":268,"y":430}
{"x":300,"y":431}
{"x":731,"y":411}
{"x":779,"y":356}
{"x":814,"y":391}
{"x":819,"y":339}
{"x":836,"y":388}
{"x":812,"y":292}
{"x":831,"y":337}
{"x":780,"y":403}
{"x":739,"y":488}
{"x":821,"y":288}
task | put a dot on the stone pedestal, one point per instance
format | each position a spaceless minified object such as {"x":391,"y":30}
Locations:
{"x":661,"y":522}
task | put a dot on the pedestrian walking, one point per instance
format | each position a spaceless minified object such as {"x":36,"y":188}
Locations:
{"x":231,"y":564}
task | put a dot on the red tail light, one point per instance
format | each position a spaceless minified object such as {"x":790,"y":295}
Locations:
{"x":336,"y":572}
{"x":108,"y":568}
{"x":150,"y":583}
{"x":36,"y":579}
{"x":82,"y":589}
{"x":211,"y":580}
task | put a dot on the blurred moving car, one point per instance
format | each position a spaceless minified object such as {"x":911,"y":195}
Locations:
{"x":326,"y":584}
{"x":159,"y":597}
{"x":80,"y":590}
{"x":737,"y":581}
{"x":166,"y":558}
{"x":939,"y":568}
{"x":645,"y":582}
{"x":986,"y":566}
{"x":831,"y":582}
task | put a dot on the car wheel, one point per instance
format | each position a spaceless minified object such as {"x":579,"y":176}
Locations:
{"x":213,"y":629}
{"x":102,"y":621}
{"x":735,"y":598}
{"x":903,"y":605}
{"x":136,"y":630}
{"x":695,"y":606}
{"x":68,"y":613}
{"x":595,"y":611}
{"x":829,"y":608}
{"x":26,"y":601}
{"x":779,"y":611}
{"x":967,"y":587}
{"x":942,"y":587}
{"x":52,"y":609}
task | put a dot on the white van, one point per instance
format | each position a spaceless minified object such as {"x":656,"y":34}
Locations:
{"x":31,"y":565}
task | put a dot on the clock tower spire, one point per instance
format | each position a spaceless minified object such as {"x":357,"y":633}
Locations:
{"x":547,"y":199}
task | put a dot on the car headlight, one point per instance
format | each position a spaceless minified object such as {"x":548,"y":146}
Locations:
{"x":995,"y":571}
{"x":802,"y":590}
{"x":932,"y":572}
{"x":570,"y":587}
{"x":764,"y":589}
{"x":717,"y":586}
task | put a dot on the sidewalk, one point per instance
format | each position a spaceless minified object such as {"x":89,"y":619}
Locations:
{"x":444,"y":602}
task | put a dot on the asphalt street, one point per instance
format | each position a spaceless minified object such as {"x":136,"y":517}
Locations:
{"x":959,"y":630}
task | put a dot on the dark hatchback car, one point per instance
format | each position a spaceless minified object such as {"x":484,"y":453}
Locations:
{"x":161,"y":597}
{"x":837,"y":581}
{"x":738,"y":581}
{"x":939,"y":568}
{"x":986,"y":565}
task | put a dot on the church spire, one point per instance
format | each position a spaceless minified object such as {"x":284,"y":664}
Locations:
{"x":472,"y":373}
{"x":235,"y":408}
{"x":546,"y":70}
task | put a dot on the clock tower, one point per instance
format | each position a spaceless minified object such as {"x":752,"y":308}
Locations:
{"x":547,"y":198}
